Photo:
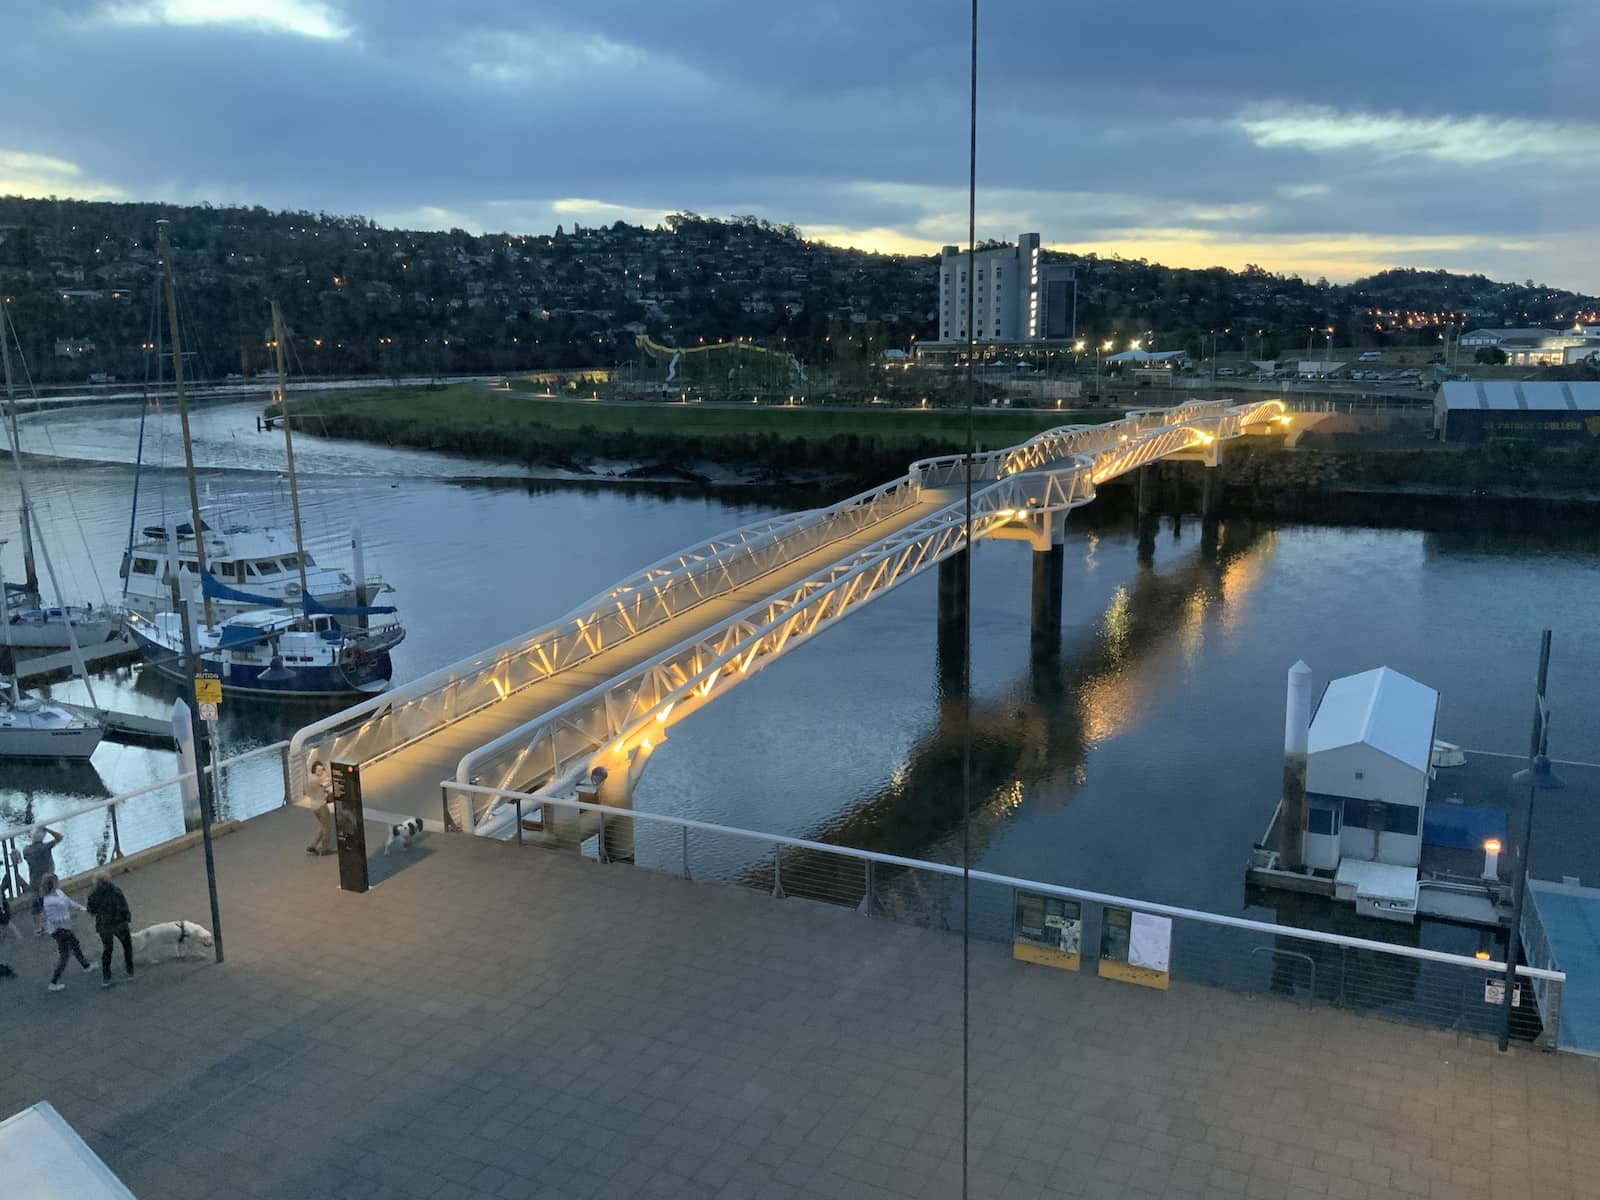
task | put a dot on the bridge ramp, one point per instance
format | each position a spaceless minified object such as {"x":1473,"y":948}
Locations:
{"x":406,"y":782}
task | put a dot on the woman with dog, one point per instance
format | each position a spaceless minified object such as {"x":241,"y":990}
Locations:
{"x":58,"y":910}
{"x":112,"y":921}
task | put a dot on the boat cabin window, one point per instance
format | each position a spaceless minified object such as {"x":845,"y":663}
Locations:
{"x":265,"y":566}
{"x":322,"y":623}
{"x":144,"y":566}
{"x":189,"y":566}
{"x":291,"y":563}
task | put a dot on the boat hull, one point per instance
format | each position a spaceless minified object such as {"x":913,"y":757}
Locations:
{"x":26,"y":742}
{"x":334,"y":681}
{"x":28,"y":634}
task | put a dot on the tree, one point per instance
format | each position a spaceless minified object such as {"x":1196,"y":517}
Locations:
{"x":1490,"y":356}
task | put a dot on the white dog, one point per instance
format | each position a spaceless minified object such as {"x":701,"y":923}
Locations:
{"x":403,"y":833}
{"x":170,"y":940}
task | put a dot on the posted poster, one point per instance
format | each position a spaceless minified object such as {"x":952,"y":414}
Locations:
{"x":1135,"y":947}
{"x":1047,"y":930}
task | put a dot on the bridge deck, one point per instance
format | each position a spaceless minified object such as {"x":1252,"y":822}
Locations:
{"x":407,"y":782}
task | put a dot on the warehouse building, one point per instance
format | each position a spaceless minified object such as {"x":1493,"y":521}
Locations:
{"x":1482,"y":411}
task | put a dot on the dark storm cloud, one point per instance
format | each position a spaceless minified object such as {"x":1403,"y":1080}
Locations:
{"x":1333,"y":138}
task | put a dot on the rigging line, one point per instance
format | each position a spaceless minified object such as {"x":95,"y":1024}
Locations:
{"x":49,"y":437}
{"x":966,"y":622}
{"x":144,"y":413}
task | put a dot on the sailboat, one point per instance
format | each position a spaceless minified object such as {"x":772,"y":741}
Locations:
{"x":33,"y":625}
{"x":34,"y":728}
{"x":258,"y":646}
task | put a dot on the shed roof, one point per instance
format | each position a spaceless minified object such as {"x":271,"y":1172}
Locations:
{"x":1391,"y":712}
{"x":1143,"y":356}
{"x":1512,"y":394}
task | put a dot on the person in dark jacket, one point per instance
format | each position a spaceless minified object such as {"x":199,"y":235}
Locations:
{"x":112,"y":919}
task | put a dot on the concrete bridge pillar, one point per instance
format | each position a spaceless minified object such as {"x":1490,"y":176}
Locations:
{"x":1045,"y":625}
{"x":955,"y":598}
{"x":1146,"y":485}
{"x":614,"y":789}
{"x":1210,"y":490}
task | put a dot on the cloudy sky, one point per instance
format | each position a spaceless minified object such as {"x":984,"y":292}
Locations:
{"x":1332,"y":139}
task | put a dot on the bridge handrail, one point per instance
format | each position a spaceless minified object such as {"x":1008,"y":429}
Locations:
{"x":661,"y":591}
{"x":1489,"y":967}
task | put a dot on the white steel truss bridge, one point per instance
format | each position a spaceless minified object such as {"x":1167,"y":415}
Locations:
{"x":597,"y":686}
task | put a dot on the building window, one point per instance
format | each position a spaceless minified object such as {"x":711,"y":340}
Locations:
{"x":1355,"y":814}
{"x":1320,"y":821}
{"x":1400,"y":818}
{"x":997,"y":272}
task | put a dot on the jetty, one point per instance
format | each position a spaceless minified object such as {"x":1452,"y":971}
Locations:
{"x":51,"y":668}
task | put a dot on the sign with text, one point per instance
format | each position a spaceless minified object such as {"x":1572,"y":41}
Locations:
{"x":207,"y":689}
{"x":1135,"y":947}
{"x":1494,"y":992}
{"x":1047,"y":930}
{"x":350,"y":827}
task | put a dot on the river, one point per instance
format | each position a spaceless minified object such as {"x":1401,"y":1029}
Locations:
{"x":1145,"y":763}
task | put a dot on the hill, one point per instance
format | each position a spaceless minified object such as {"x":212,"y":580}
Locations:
{"x":361,"y":299}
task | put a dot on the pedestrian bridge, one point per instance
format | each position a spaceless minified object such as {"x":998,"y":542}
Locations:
{"x":600,"y":685}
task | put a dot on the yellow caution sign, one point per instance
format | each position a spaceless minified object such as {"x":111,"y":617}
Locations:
{"x":207,"y":689}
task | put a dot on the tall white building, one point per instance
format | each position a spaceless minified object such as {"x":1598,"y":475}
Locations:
{"x":1015,"y":297}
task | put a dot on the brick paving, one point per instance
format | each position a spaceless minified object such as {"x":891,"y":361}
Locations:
{"x":496,"y":1022}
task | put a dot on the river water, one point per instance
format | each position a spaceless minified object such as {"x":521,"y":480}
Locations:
{"x":1144,"y":763}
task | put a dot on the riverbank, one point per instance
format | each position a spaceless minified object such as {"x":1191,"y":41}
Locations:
{"x":721,"y":444}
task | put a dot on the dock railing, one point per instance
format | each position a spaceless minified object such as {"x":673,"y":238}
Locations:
{"x":98,"y":832}
{"x":1306,"y":966}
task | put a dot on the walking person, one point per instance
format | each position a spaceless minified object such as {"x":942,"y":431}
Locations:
{"x":319,"y":792}
{"x":112,"y":921}
{"x":58,"y":910}
{"x":40,"y":855}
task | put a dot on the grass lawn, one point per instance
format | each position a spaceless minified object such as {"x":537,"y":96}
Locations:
{"x":472,"y":419}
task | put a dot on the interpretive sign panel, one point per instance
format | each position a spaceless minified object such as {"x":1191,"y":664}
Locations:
{"x":1047,"y":930}
{"x":1135,"y":947}
{"x":350,"y":825}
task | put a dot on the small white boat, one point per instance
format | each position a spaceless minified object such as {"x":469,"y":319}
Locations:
{"x":34,"y":728}
{"x":36,"y":628}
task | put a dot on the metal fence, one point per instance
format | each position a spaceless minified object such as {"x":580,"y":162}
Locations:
{"x":1309,"y":967}
{"x":102,"y":831}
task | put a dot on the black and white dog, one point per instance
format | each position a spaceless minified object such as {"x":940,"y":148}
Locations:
{"x":402,"y":834}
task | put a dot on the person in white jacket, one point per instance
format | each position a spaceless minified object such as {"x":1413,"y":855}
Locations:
{"x":58,"y":909}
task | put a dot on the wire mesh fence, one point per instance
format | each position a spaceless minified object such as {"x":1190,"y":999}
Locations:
{"x":1303,"y":966}
{"x":101,"y":831}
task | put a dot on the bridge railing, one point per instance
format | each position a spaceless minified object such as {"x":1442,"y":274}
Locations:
{"x":559,"y":745}
{"x":1303,"y":966}
{"x":666,"y":589}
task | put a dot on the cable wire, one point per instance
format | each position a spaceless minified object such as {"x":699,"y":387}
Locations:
{"x":966,"y":621}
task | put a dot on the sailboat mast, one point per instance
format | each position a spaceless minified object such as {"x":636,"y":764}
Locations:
{"x":288,"y":446}
{"x":183,"y":421}
{"x":30,"y":573}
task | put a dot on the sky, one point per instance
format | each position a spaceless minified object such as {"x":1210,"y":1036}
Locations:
{"x":1333,"y":139}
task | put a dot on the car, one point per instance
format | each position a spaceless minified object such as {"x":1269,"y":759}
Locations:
{"x":1372,"y":356}
{"x":1221,"y":371}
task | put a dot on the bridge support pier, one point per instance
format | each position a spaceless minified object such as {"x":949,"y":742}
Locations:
{"x":614,"y":789}
{"x":955,"y":598}
{"x":1045,"y":625}
{"x":1210,"y":491}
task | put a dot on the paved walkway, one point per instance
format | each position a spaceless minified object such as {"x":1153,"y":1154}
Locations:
{"x":492,"y":1022}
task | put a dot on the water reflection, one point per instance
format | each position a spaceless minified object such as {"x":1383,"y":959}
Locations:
{"x":1047,"y":722}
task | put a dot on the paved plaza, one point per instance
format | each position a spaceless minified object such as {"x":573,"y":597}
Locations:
{"x":497,"y":1022}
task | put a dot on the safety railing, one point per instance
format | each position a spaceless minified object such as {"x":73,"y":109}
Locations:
{"x":1400,"y":982}
{"x":102,"y":831}
{"x":624,"y":711}
{"x":661,"y":592}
